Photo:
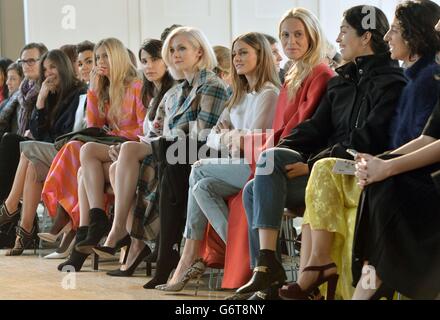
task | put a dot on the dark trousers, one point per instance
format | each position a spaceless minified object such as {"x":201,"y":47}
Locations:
{"x":173,"y":190}
{"x":9,"y":159}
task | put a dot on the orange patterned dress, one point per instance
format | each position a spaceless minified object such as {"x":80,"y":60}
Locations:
{"x":61,"y":186}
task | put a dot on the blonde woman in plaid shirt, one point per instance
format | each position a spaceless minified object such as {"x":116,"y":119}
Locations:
{"x":198,"y":100}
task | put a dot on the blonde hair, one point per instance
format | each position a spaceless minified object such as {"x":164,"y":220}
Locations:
{"x":315,"y":54}
{"x":223,"y":56}
{"x":199,"y":41}
{"x":111,"y":90}
{"x":266,"y":70}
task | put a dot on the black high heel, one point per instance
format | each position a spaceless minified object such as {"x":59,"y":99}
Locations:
{"x":129,"y":272}
{"x":383,"y":292}
{"x":163,"y":270}
{"x":152,"y":257}
{"x":76,"y":259}
{"x":265,"y":277}
{"x":295,"y":292}
{"x":109,"y":252}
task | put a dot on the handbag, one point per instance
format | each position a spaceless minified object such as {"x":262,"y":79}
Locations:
{"x":92,"y":134}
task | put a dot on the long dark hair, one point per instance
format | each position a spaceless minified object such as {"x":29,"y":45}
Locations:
{"x":154,"y":48}
{"x":67,"y":81}
{"x":4,"y":64}
{"x":417,"y":20}
{"x":356,"y":16}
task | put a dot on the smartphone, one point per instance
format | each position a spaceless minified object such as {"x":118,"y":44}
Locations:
{"x":352,"y":152}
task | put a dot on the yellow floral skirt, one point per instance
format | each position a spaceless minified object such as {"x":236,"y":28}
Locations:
{"x":331,"y":205}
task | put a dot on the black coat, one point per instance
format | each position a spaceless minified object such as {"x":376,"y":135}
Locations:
{"x":398,"y":228}
{"x":64,"y":119}
{"x":354,"y":113}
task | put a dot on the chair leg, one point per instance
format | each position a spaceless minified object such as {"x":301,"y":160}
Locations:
{"x":45,"y":214}
{"x":95,"y":261}
{"x":218,"y":282}
{"x":211,"y":277}
{"x":148,"y":268}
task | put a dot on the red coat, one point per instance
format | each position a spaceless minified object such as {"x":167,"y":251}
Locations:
{"x":235,"y":255}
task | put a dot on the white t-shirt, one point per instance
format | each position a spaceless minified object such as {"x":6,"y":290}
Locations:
{"x":255,"y":111}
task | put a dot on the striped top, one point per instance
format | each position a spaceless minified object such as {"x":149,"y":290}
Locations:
{"x":132,"y":114}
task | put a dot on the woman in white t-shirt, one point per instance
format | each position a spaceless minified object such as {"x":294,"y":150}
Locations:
{"x":255,"y":85}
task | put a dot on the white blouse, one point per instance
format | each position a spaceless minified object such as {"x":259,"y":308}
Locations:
{"x":255,"y":111}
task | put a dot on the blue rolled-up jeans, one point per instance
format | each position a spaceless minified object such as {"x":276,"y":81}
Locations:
{"x":270,"y":192}
{"x":209,"y":184}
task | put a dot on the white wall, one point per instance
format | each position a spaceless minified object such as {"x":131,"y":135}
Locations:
{"x":134,"y":20}
{"x":11,"y":28}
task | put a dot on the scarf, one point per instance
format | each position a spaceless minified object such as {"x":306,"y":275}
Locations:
{"x":27,"y":98}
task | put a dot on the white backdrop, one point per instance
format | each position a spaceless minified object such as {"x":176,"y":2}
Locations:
{"x":58,"y":22}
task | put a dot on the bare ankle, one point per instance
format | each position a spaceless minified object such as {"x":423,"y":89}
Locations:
{"x":11,"y":206}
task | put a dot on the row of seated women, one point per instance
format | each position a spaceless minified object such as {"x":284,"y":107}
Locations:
{"x":255,"y":149}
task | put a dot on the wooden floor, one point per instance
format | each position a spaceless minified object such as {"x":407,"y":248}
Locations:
{"x":31,"y":277}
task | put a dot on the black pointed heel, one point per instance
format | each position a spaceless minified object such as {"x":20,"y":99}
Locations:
{"x":163,"y":270}
{"x":109,"y":252}
{"x":129,"y":272}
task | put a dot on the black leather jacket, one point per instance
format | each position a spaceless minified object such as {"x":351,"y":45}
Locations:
{"x":354,"y":113}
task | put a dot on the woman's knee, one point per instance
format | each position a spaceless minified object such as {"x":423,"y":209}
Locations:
{"x":23,"y":157}
{"x":130,"y":148}
{"x":88,"y":150}
{"x":133,"y":151}
{"x":195,"y":175}
{"x":248,"y":198}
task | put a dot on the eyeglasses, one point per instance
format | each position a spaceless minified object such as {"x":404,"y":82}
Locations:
{"x":29,"y":62}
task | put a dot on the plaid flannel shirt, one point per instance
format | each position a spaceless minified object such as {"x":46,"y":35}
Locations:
{"x":200,"y":103}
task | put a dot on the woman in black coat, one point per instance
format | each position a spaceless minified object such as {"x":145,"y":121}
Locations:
{"x":398,"y":223}
{"x":53,"y":116}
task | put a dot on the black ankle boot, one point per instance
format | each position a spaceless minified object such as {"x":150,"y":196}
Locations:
{"x":98,"y":228}
{"x":268,"y":273}
{"x":163,"y":270}
{"x":76,"y":259}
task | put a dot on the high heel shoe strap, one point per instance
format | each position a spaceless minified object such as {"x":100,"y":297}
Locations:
{"x":196,"y":270}
{"x":320,"y":268}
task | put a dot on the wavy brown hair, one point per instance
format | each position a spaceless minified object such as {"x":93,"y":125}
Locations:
{"x":265,"y":70}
